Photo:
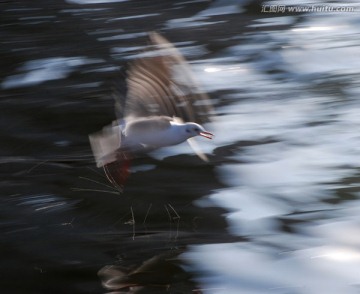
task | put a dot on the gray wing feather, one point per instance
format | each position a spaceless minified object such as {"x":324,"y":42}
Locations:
{"x":162,"y":84}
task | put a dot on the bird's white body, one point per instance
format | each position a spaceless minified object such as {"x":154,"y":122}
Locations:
{"x":155,"y":135}
{"x":141,"y":135}
{"x":156,"y":139}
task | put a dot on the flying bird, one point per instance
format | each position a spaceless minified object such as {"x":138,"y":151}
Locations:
{"x":163,"y":107}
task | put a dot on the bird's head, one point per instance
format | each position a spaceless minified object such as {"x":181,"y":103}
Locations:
{"x":193,"y":129}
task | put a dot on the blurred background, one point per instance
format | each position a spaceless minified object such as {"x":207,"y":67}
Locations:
{"x":275,"y":211}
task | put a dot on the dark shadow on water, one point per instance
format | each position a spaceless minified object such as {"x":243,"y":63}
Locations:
{"x":62,"y":222}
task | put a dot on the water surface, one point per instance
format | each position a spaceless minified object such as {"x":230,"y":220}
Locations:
{"x":276,"y":210}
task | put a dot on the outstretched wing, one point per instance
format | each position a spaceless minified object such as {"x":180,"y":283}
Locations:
{"x":161,"y":83}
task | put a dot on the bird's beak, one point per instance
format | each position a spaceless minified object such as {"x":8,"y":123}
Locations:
{"x":206,"y":134}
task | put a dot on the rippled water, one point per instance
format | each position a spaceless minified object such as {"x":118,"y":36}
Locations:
{"x":276,"y":210}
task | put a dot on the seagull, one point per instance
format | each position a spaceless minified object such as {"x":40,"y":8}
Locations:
{"x":163,"y":107}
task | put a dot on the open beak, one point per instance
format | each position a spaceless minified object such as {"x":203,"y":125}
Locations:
{"x":207,"y":135}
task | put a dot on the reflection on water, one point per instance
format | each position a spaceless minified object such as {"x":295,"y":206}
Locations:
{"x":159,"y":274}
{"x":277,"y":209}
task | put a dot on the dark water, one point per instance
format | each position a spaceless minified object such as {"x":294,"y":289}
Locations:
{"x":276,"y":210}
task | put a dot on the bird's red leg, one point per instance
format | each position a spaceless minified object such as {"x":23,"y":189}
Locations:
{"x":117,"y":172}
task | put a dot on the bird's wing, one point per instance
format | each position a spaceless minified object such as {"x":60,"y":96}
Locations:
{"x":104,"y":144}
{"x":161,"y":83}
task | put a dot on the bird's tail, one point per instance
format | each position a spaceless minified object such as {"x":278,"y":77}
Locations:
{"x":105,"y":144}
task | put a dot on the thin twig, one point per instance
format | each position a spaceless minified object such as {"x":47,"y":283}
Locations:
{"x":177,"y":218}
{"x":168,"y":212}
{"x":97,"y":182}
{"x":97,"y":172}
{"x":147,"y":213}
{"x":37,"y":165}
{"x":94,"y":190}
{"x":133,"y":222}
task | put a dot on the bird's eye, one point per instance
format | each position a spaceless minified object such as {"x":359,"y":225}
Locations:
{"x":196,"y":129}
